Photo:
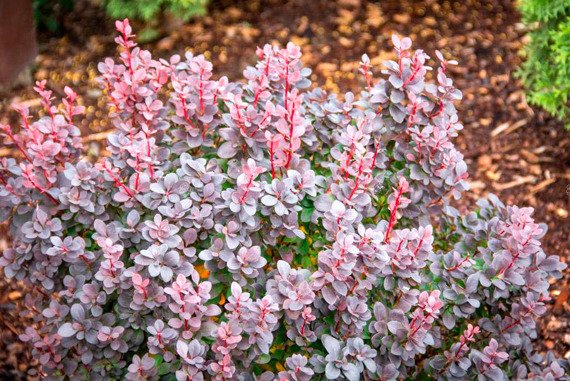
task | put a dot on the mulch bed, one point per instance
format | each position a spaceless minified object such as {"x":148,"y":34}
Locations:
{"x":513,"y":150}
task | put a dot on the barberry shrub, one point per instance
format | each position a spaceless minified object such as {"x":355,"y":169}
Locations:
{"x":260,"y":230}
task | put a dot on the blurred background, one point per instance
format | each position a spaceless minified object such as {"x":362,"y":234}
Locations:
{"x":514,"y":72}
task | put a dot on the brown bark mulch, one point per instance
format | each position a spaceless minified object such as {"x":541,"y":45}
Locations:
{"x":513,"y":150}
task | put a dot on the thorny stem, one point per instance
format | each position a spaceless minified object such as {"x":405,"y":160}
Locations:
{"x":513,"y":324}
{"x":185,"y":111}
{"x":416,"y":329}
{"x":201,"y":92}
{"x":6,"y":128}
{"x":118,"y":182}
{"x":265,"y":75}
{"x":84,"y":259}
{"x":286,"y":84}
{"x":463,"y":343}
{"x":338,"y":320}
{"x":393,"y":212}
{"x":8,"y":187}
{"x":460,"y":263}
{"x":240,"y":119}
{"x":271,"y":153}
{"x":128,"y":51}
{"x":25,"y":122}
{"x":376,"y":149}
{"x":439,"y":110}
{"x":69,"y":113}
{"x":148,"y":153}
{"x":348,"y":159}
{"x":258,"y":125}
{"x":367,"y":77}
{"x":242,"y":200}
{"x":291,"y":128}
{"x":357,"y":179}
{"x":256,"y":98}
{"x":416,"y":69}
{"x":419,"y":245}
{"x":137,"y":178}
{"x":513,"y":260}
{"x":412,"y":117}
{"x":41,"y":190}
{"x":401,"y":293}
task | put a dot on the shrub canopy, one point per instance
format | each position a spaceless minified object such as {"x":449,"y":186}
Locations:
{"x":262,"y":230}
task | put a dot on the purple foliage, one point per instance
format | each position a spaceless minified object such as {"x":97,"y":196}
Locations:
{"x":262,"y":230}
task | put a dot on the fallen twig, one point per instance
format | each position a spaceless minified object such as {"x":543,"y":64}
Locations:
{"x":539,"y":187}
{"x":514,"y":183}
{"x":507,"y":128}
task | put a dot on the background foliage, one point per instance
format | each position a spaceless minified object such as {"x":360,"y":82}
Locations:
{"x":148,"y":9}
{"x":49,"y":13}
{"x":546,"y":72}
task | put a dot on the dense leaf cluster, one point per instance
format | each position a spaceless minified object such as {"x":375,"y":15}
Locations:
{"x":262,"y":230}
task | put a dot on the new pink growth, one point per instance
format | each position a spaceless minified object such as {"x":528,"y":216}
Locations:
{"x":141,"y":284}
{"x":71,"y":109}
{"x":246,"y":180}
{"x":274,"y":142}
{"x":467,"y":336}
{"x":429,"y":306}
{"x":46,"y":97}
{"x":8,"y":131}
{"x":492,"y":356}
{"x":397,"y":202}
{"x":402,"y":50}
{"x":365,"y":71}
{"x":296,"y":128}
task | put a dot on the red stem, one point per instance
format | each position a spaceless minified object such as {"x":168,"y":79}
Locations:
{"x":393,"y":214}
{"x":137,"y":178}
{"x":286,"y":83}
{"x":246,"y":190}
{"x":43,"y":191}
{"x":458,"y":265}
{"x":7,"y":186}
{"x":414,"y":73}
{"x":348,"y":159}
{"x":271,"y":153}
{"x":186,"y":117}
{"x":516,"y":322}
{"x":148,"y":153}
{"x":291,"y":127}
{"x":201,"y":92}
{"x":419,"y":325}
{"x":357,"y":180}
{"x":118,"y":182}
{"x":8,"y":132}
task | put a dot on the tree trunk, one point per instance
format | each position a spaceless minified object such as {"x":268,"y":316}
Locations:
{"x":17,"y":38}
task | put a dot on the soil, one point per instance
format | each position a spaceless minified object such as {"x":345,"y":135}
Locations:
{"x":512,"y":149}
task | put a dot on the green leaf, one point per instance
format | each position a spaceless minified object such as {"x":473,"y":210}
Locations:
{"x":263,"y":359}
{"x":306,"y":214}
